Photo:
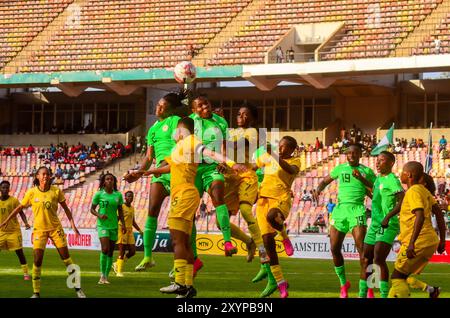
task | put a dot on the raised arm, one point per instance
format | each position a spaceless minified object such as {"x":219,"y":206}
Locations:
{"x":156,"y":171}
{"x":436,"y":210}
{"x":69,"y":216}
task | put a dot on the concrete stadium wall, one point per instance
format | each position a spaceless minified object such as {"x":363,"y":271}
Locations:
{"x":417,"y":133}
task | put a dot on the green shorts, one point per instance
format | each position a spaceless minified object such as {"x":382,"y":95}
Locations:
{"x":113,"y":234}
{"x":346,"y":216}
{"x":378,"y":234}
{"x":164,"y":179}
{"x":206,"y":174}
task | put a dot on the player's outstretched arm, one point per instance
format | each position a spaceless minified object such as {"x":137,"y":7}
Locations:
{"x":70,"y":217}
{"x":121,"y":218}
{"x":136,"y":226}
{"x":418,"y":224}
{"x":323,"y":184}
{"x":436,"y":210}
{"x":395,"y":210}
{"x":24,"y":219}
{"x":223,"y":159}
{"x":145,"y":165}
{"x":156,"y":171}
{"x":12,"y":215}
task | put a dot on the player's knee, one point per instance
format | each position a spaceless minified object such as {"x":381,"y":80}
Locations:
{"x":335,"y":249}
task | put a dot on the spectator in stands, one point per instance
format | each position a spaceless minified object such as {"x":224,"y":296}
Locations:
{"x":447,"y":172}
{"x":314,"y":197}
{"x":442,"y":143}
{"x":413,"y":143}
{"x":30,"y":149}
{"x":420,"y":143}
{"x":301,"y":147}
{"x":306,"y":196}
{"x":437,"y":46}
{"x":108,"y":146}
{"x":343,"y":133}
{"x":320,"y":222}
{"x":65,"y":175}
{"x":279,"y":55}
{"x":317,"y":144}
{"x":59,"y":171}
{"x":441,"y":188}
{"x":203,"y":208}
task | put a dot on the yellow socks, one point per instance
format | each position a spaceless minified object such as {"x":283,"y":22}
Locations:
{"x":277,"y":273}
{"x":68,"y":261}
{"x":253,"y":228}
{"x":120,"y":263}
{"x":416,"y":284}
{"x":24,"y":269}
{"x":36,"y":279}
{"x":189,"y":275}
{"x":399,"y":289}
{"x":180,"y":271}
{"x":237,"y":233}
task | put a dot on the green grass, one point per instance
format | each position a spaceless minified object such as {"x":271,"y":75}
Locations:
{"x":220,"y":278}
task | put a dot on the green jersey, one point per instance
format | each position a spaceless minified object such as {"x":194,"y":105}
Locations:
{"x":160,"y":136}
{"x":350,"y":189}
{"x":260,"y":172}
{"x":109,"y":203}
{"x":212,"y":131}
{"x":384,"y":197}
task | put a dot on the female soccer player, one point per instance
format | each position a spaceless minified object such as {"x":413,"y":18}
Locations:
{"x":274,"y":204}
{"x":160,"y":144}
{"x":184,"y":203}
{"x":11,"y":236}
{"x":126,"y":242}
{"x":110,"y":201}
{"x":43,"y":199}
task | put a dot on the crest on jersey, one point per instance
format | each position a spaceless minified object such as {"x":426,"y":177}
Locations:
{"x":165,"y":128}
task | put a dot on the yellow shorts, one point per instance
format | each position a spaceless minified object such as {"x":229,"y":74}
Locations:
{"x":263,"y":206}
{"x":184,"y":202}
{"x":11,"y":241}
{"x":127,"y":238}
{"x":57,"y":236}
{"x":248,"y":192}
{"x":414,"y":265}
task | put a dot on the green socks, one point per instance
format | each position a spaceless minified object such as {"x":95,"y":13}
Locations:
{"x":109,"y":261}
{"x":194,"y":240}
{"x":103,"y":261}
{"x":384,"y":288}
{"x":223,"y":219}
{"x":149,"y":235}
{"x":340,"y":272}
{"x":363,"y":288}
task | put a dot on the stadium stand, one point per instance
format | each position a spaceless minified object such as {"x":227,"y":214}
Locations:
{"x":437,"y":42}
{"x":34,"y":15}
{"x":134,"y":34}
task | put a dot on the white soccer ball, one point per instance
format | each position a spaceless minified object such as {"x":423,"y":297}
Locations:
{"x":185,"y":72}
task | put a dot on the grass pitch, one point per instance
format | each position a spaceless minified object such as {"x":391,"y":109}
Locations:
{"x":220,"y":277}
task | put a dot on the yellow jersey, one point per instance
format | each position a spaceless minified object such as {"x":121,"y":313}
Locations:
{"x":6,"y":207}
{"x":277,"y":183}
{"x":184,"y":161}
{"x":251,"y":134}
{"x":128,"y":216}
{"x":417,"y":197}
{"x":45,"y":207}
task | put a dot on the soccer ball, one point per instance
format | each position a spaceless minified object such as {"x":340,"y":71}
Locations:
{"x":185,"y":72}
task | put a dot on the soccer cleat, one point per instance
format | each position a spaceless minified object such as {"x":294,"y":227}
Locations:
{"x":283,"y":288}
{"x":198,"y":264}
{"x":251,"y":250}
{"x":435,"y":293}
{"x":271,"y":287}
{"x":119,"y":274}
{"x":174,"y":288}
{"x":106,"y":282}
{"x":370,"y":293}
{"x":36,"y":295}
{"x":262,"y":274}
{"x":344,"y":290}
{"x":26,"y":277}
{"x":114,"y":267}
{"x":191,"y":292}
{"x":80,"y":293}
{"x":145,"y":264}
{"x":288,"y":247}
{"x":230,"y":249}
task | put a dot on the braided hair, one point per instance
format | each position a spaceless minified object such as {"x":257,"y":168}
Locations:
{"x":103,"y":179}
